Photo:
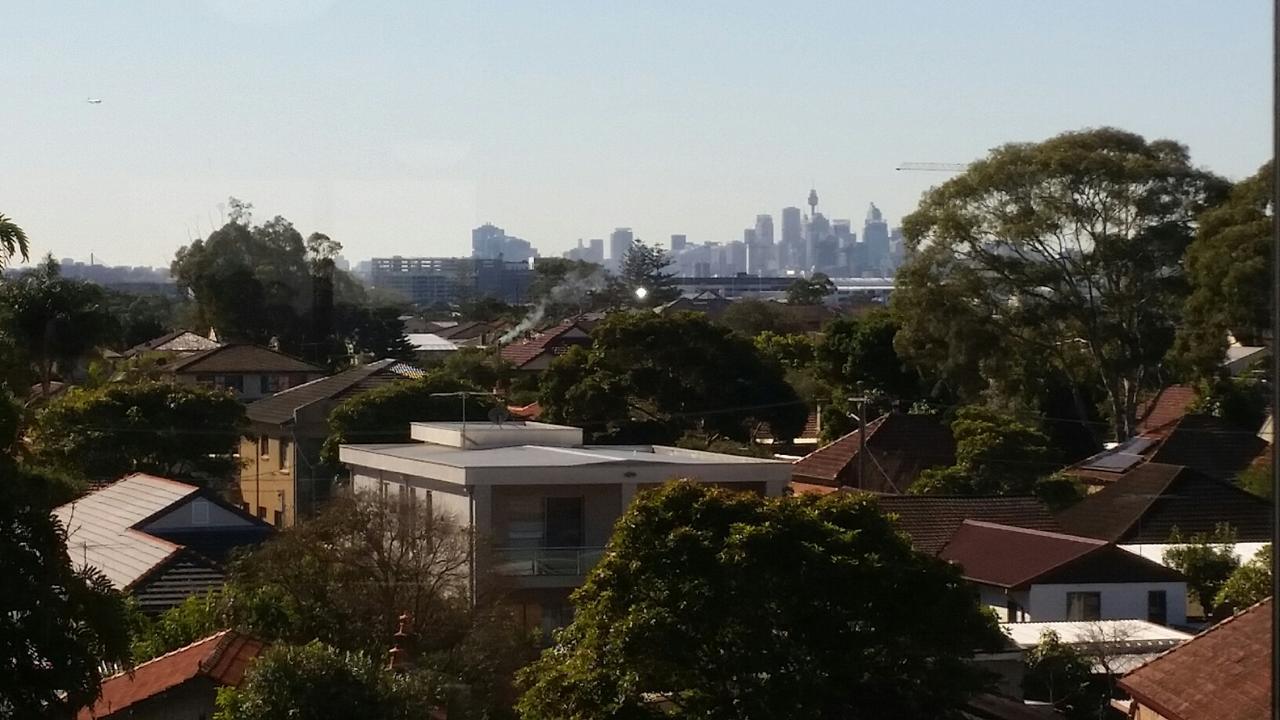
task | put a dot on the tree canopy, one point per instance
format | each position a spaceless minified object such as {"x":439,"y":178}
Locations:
{"x":13,"y":241}
{"x":857,"y":355}
{"x":1064,"y":254}
{"x":716,"y":604}
{"x":1248,"y":584}
{"x":1229,"y":268}
{"x":1207,"y":559}
{"x":651,"y":377}
{"x":644,"y":267}
{"x":176,"y":431}
{"x":811,"y":290}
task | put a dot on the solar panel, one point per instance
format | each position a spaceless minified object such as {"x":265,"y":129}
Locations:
{"x":1121,"y":457}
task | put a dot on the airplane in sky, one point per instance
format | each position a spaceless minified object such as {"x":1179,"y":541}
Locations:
{"x":94,"y":101}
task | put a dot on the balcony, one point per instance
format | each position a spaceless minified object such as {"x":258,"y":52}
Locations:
{"x":545,"y":561}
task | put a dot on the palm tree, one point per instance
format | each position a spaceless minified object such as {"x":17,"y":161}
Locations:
{"x":13,"y":241}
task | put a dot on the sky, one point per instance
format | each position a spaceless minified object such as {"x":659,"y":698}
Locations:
{"x":395,"y":128}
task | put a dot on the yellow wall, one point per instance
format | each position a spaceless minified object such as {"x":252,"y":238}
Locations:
{"x":265,"y":487}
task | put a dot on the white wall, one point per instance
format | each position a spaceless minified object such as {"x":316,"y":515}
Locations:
{"x":1120,"y":601}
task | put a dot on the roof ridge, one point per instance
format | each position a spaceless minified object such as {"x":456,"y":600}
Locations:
{"x":1217,"y":626}
{"x":1044,"y":533}
{"x":216,"y":636}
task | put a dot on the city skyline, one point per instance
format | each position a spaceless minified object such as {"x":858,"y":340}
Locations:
{"x":408,"y":130}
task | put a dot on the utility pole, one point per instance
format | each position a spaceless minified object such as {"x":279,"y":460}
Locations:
{"x":861,"y":417}
{"x":464,"y":394}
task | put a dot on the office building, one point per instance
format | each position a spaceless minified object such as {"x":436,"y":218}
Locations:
{"x":875,"y":237}
{"x":619,"y":240}
{"x":427,"y":281}
{"x":490,"y":242}
{"x":792,"y":244}
{"x":764,"y":229}
{"x":679,"y":242}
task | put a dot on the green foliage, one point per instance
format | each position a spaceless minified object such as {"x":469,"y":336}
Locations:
{"x":1257,"y":479}
{"x":374,"y":332}
{"x":1057,"y":674}
{"x":53,"y":320}
{"x":488,"y":309}
{"x":995,"y":455}
{"x":810,"y":291}
{"x":1240,"y":401}
{"x":1021,"y":266}
{"x":478,"y":367}
{"x":750,"y":317}
{"x":563,"y":287}
{"x":383,"y":414}
{"x":791,"y":351}
{"x":645,"y":266}
{"x":857,"y":354}
{"x":13,"y":241}
{"x":655,"y":377}
{"x":705,"y":594}
{"x":1229,"y":268}
{"x":175,"y":431}
{"x":1207,"y":559}
{"x":139,"y":318}
{"x":1248,"y":584}
{"x":59,"y":624}
{"x":316,"y":682}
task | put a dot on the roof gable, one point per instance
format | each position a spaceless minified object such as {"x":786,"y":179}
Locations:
{"x":222,"y":658}
{"x":1224,"y":673}
{"x":901,"y":447}
{"x":1011,"y":557}
{"x":278,"y":409}
{"x":553,"y":339}
{"x":241,"y":358}
{"x":931,"y":520}
{"x":178,"y":341}
{"x":1145,"y":504}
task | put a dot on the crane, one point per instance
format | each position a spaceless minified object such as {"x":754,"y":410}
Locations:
{"x":932,"y":167}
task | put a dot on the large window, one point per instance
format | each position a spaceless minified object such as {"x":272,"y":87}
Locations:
{"x":1157,"y":606}
{"x":563,"y":520}
{"x":284,"y":453}
{"x":1084,"y":606}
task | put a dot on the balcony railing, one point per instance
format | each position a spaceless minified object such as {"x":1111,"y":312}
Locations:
{"x":552,"y":561}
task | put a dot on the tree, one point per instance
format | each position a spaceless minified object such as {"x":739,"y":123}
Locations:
{"x":1057,"y":674}
{"x":175,"y":431}
{"x":810,"y":291}
{"x":569,"y":287}
{"x":316,"y":682}
{"x":374,"y":332}
{"x":383,"y":414}
{"x":477,"y":367}
{"x":13,"y":241}
{"x":57,"y":321}
{"x":857,"y":354}
{"x":715,"y":604}
{"x":1065,"y":254}
{"x":750,"y":317}
{"x":1229,"y":268}
{"x":58,"y":625}
{"x":666,"y":375}
{"x":995,"y":455}
{"x":792,"y":351}
{"x":1248,"y":584}
{"x":139,"y":318}
{"x":1207,"y":559}
{"x":644,"y":267}
{"x":1257,"y":479}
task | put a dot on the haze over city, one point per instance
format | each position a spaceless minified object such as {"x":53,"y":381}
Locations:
{"x":398,"y":130}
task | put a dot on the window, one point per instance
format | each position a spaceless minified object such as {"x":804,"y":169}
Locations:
{"x":1084,"y":606}
{"x":1157,"y":606}
{"x":262,"y":513}
{"x":1013,"y":612}
{"x":284,"y":453}
{"x":563,"y":522}
{"x":264,"y":446}
{"x":273,"y":383}
{"x":264,"y":384}
{"x":205,"y":379}
{"x":200,"y":512}
{"x":279,"y":519}
{"x":232,"y":382}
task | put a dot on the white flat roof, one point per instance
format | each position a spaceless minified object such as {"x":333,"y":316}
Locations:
{"x":546,"y":456}
{"x":1118,"y":632}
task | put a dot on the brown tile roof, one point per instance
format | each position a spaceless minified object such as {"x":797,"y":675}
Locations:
{"x":241,"y":358}
{"x":1165,"y":408}
{"x":901,"y":447}
{"x":278,"y":409}
{"x":1013,"y":557}
{"x":931,"y":520}
{"x":465,"y":330}
{"x":525,"y":351}
{"x":1224,"y":673}
{"x":1204,"y":442}
{"x":221,"y":658}
{"x":1146,"y":503}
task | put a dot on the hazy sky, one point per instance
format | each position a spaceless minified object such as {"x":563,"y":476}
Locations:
{"x":397,"y":127}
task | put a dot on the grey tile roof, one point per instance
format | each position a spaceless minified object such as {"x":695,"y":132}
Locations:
{"x":241,"y":359}
{"x":279,"y":408}
{"x":100,"y":530}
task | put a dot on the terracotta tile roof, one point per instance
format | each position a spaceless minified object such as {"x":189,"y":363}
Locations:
{"x":525,"y":412}
{"x":221,"y":658}
{"x":931,"y":520}
{"x":525,"y":351}
{"x":1224,"y":673}
{"x":1204,"y":442}
{"x":901,"y":447}
{"x":278,"y":409}
{"x":1146,"y":503}
{"x":1012,"y":557}
{"x":1165,"y":408}
{"x":240,"y":358}
{"x":802,"y":488}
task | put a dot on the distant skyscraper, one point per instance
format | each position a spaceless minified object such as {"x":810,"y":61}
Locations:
{"x":619,"y":240}
{"x":764,"y":229}
{"x":792,"y":237}
{"x":490,"y":242}
{"x":595,"y":251}
{"x":875,"y":238}
{"x":749,"y":236}
{"x":678,"y":242}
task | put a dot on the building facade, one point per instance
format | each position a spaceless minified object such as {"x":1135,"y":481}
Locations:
{"x":427,"y":281}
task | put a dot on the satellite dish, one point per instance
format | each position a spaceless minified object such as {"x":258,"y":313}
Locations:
{"x":499,"y":415}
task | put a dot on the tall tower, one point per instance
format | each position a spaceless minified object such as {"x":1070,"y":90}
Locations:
{"x":813,"y":201}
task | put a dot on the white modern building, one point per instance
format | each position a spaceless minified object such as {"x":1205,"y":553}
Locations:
{"x":541,"y":503}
